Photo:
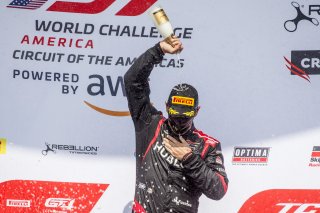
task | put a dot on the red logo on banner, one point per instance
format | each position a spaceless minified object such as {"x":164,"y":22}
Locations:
{"x":283,"y":201}
{"x":30,"y":196}
{"x":315,"y":157}
{"x":133,"y":8}
{"x":296,"y":70}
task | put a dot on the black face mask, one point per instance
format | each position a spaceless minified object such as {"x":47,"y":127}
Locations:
{"x":180,"y":124}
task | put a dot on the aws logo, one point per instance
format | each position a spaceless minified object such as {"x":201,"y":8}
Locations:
{"x":99,"y":88}
{"x":107,"y":111}
{"x":133,"y":8}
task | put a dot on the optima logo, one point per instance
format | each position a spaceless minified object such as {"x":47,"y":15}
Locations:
{"x":183,"y":100}
{"x":250,"y":155}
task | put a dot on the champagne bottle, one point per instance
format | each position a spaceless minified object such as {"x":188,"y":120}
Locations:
{"x":161,"y":21}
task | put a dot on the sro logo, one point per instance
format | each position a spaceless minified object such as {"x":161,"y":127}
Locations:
{"x":66,"y":203}
{"x":299,"y":207}
{"x":133,"y":8}
{"x":292,"y":25}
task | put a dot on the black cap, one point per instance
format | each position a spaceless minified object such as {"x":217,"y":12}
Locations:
{"x":183,"y":101}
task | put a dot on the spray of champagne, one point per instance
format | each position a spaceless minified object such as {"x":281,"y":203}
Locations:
{"x":161,"y":21}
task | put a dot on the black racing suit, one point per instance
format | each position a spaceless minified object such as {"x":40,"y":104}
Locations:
{"x":163,"y":183}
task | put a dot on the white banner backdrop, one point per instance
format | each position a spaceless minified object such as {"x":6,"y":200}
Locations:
{"x":64,"y":112}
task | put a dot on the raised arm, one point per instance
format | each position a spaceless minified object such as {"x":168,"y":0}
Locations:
{"x":136,"y":81}
{"x":137,"y":85}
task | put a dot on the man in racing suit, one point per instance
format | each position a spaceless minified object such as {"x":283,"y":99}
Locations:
{"x":175,"y":162}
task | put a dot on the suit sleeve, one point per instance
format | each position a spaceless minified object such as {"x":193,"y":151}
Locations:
{"x":137,"y":86}
{"x":208,"y":174}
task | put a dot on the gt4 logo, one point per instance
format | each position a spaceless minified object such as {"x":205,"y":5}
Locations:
{"x":299,"y":207}
{"x":66,"y":203}
{"x":133,"y":8}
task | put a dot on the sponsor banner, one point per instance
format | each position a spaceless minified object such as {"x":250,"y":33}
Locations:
{"x":45,"y":196}
{"x":60,"y":43}
{"x":283,"y":201}
{"x":62,"y":85}
{"x":3,"y":145}
{"x":250,"y":155}
{"x":133,"y":8}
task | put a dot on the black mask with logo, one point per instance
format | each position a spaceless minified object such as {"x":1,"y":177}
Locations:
{"x":180,"y":125}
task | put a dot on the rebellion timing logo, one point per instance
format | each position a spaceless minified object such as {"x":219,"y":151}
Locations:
{"x":292,"y":25}
{"x":250,"y":155}
{"x":72,"y":149}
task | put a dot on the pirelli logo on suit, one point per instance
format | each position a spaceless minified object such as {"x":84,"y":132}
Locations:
{"x":183,"y":100}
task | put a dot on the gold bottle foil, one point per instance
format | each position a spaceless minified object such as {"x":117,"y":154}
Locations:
{"x":160,"y":17}
{"x":169,"y":40}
